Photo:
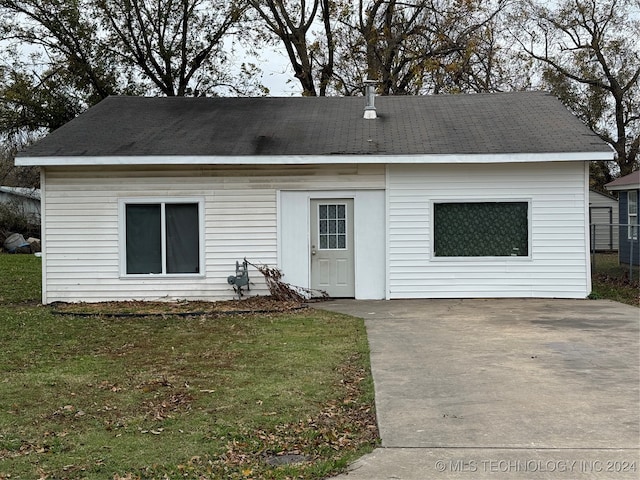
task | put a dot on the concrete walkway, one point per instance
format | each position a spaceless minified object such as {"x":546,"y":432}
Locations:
{"x":502,"y":389}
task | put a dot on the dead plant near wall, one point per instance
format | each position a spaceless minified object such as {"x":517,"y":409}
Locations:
{"x":281,"y":290}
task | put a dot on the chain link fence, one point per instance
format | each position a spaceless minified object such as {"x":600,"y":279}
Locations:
{"x":615,"y":250}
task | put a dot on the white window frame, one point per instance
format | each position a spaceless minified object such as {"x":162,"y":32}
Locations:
{"x":346,"y":224}
{"x":122,"y":235}
{"x":632,"y":216}
{"x":514,"y":258}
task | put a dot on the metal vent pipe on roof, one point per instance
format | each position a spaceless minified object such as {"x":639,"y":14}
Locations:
{"x":369,"y":97}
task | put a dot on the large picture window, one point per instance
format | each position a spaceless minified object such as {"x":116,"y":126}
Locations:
{"x":481,"y":229}
{"x":162,"y":238}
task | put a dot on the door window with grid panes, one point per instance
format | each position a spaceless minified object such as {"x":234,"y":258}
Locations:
{"x":332,"y":226}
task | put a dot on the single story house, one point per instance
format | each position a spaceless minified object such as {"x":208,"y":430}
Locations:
{"x":603,"y":217}
{"x":409,"y":197}
{"x":628,"y":188}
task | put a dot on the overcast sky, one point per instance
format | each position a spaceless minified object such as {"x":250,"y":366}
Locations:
{"x":277,"y":76}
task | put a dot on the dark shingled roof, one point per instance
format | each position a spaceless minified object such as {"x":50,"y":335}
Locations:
{"x":522,"y":122}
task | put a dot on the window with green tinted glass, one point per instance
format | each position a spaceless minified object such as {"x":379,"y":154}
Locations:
{"x":481,"y":229}
{"x":148,"y":251}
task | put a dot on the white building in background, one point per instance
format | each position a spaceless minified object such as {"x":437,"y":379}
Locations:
{"x":25,"y":200}
{"x":603,"y":217}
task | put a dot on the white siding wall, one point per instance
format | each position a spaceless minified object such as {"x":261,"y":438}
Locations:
{"x":241,"y":209}
{"x":558,"y":264}
{"x":81,"y":229}
{"x":369,"y":227}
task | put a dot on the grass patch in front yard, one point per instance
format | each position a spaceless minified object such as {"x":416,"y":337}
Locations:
{"x":614,"y":281}
{"x":169,"y":397}
{"x":20,"y":279}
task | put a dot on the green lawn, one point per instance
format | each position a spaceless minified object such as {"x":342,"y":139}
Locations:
{"x":174,"y":397}
{"x":20,"y":279}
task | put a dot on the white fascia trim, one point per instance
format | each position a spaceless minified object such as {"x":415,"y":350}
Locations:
{"x":63,"y":161}
{"x":631,"y":186}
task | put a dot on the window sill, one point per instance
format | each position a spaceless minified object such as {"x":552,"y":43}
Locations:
{"x":161,"y":276}
{"x":482,"y":259}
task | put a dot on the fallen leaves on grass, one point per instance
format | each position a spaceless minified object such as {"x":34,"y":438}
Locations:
{"x":248,"y":305}
{"x":345,"y":424}
{"x":126,"y":476}
{"x":106,"y":385}
{"x":25,"y":448}
{"x":163,"y":408}
{"x":618,"y":281}
{"x":626,"y":290}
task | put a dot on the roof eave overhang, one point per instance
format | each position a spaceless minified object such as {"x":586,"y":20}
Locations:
{"x":631,"y":186}
{"x":61,"y":161}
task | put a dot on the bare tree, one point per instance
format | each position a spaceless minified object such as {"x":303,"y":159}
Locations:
{"x":421,"y":46}
{"x":291,"y":21}
{"x":590,"y":58}
{"x":175,"y":44}
{"x":81,"y":51}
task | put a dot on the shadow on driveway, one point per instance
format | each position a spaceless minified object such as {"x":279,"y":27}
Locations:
{"x":502,"y":388}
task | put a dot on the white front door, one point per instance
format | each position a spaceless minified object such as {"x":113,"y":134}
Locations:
{"x":332,"y":256}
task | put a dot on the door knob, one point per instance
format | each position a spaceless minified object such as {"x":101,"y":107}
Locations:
{"x":313,"y":249}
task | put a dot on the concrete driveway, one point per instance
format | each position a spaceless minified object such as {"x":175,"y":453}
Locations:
{"x":474,"y":389}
